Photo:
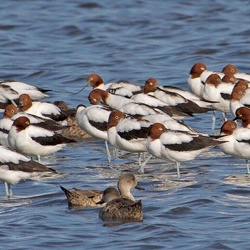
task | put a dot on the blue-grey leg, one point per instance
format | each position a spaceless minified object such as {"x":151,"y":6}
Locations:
{"x":108,"y":152}
{"x":248,"y":171}
{"x":139,"y":159}
{"x":224,"y":116}
{"x":178,"y":169}
{"x":141,"y":169}
{"x":213,"y":120}
{"x":8,"y":190}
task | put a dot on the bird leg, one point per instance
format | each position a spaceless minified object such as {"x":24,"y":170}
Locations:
{"x":213,"y":120}
{"x":178,"y":169}
{"x":141,"y":169}
{"x":108,"y":151}
{"x":8,"y":190}
{"x":248,"y":171}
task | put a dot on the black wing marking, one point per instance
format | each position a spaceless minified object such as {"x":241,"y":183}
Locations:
{"x":244,"y":141}
{"x":191,"y":107}
{"x":8,"y":88}
{"x":5,"y":131}
{"x":226,"y":96}
{"x":135,"y":133}
{"x":40,"y":89}
{"x":197,"y":143}
{"x":28,"y":166}
{"x":52,"y":140}
{"x":49,"y":124}
{"x":102,"y":126}
{"x":60,"y":117}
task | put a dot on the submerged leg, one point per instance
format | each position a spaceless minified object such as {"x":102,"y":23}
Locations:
{"x":178,"y":169}
{"x":108,"y":152}
{"x":141,"y":169}
{"x":39,"y":158}
{"x":6,"y":188}
{"x":139,"y":158}
{"x":10,"y":191}
{"x":114,"y":153}
{"x":248,"y":171}
{"x":213,"y":121}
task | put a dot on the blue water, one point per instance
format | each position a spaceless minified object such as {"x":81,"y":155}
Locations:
{"x":55,"y":45}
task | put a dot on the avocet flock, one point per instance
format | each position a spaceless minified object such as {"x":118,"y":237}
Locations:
{"x":138,"y":119}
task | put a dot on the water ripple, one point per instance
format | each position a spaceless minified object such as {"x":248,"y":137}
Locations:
{"x":55,"y":46}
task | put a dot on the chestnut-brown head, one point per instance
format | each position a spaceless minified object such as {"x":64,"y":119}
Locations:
{"x":10,"y":111}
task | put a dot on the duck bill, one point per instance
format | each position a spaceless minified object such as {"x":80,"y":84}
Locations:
{"x":100,"y":202}
{"x":139,"y":187}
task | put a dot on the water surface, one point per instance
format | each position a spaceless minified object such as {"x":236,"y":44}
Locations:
{"x":55,"y":45}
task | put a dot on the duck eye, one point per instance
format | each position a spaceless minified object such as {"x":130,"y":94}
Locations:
{"x":116,"y":117}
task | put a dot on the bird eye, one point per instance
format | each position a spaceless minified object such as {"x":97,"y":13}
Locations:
{"x":240,"y":92}
{"x":150,"y":83}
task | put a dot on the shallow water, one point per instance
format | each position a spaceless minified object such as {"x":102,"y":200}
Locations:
{"x":55,"y":45}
